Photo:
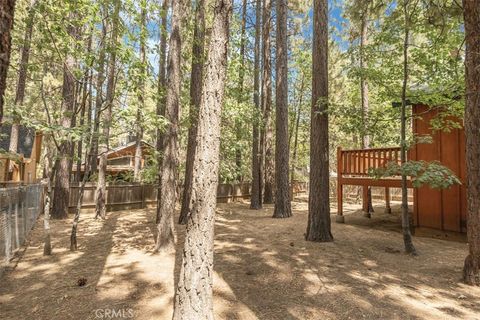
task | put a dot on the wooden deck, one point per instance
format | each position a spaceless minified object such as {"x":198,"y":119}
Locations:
{"x":353,"y":169}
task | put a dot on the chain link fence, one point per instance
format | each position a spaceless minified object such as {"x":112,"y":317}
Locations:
{"x":19,"y":209}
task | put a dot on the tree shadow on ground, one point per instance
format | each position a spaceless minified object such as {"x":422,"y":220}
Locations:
{"x":271,"y":269}
{"x":50,"y":283}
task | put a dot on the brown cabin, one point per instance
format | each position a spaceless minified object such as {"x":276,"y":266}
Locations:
{"x":121,"y":160}
{"x":19,"y":167}
{"x":433,"y":209}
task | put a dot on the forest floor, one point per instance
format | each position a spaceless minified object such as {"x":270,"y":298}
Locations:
{"x":264,"y":269}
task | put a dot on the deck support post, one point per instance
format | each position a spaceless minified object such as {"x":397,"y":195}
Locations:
{"x":339,"y":218}
{"x":388,"y":209}
{"x":366,"y":212}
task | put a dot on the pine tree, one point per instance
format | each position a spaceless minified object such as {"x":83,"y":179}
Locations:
{"x":471,"y":13}
{"x":194,"y":295}
{"x":318,"y":228}
{"x":282,"y":195}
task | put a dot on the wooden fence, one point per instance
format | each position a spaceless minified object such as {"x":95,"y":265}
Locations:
{"x":138,"y":196}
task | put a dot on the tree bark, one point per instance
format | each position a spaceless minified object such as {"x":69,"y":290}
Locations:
{"x":78,"y":208}
{"x":267,"y":134}
{"x":318,"y":228}
{"x":85,"y":95}
{"x":162,"y":83}
{"x":93,"y":156}
{"x":282,"y":195}
{"x":296,"y":128}
{"x":471,"y":13}
{"x":7,"y":9}
{"x":363,"y":80}
{"x":196,"y":82}
{"x":49,"y":172}
{"x":407,"y":235}
{"x":194,"y":296}
{"x":22,"y":76}
{"x":241,"y":92}
{"x":101,"y":191}
{"x":141,"y":93}
{"x":62,"y":177}
{"x":257,"y":177}
{"x":169,"y":163}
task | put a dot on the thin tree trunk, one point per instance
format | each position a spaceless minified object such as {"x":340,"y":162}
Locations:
{"x":256,"y":194}
{"x":93,"y":161}
{"x":85,"y":95}
{"x":62,"y":177}
{"x":407,"y":235}
{"x":78,"y":208}
{"x":7,"y":9}
{"x":267,"y":134}
{"x":365,"y":138}
{"x":240,"y":98}
{"x":196,"y":82}
{"x":318,"y":228}
{"x":282,"y":194}
{"x":22,"y":76}
{"x":49,"y":170}
{"x":194,"y":294}
{"x":162,"y":83}
{"x":363,"y":80}
{"x":141,"y":95}
{"x":471,"y":13}
{"x":297,"y":125}
{"x":101,"y":191}
{"x":169,"y":163}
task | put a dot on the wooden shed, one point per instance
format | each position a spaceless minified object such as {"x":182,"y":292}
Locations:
{"x":445,"y":209}
{"x":433,"y":209}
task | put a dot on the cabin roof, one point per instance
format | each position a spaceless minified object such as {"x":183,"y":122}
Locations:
{"x":26,"y":139}
{"x":129,"y":150}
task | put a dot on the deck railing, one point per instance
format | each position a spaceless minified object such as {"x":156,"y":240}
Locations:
{"x":358,"y":162}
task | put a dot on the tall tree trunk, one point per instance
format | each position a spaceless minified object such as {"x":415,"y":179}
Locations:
{"x":365,"y":137}
{"x":194,"y":296}
{"x":267,"y":134}
{"x":7,"y":9}
{"x":141,"y":94}
{"x":471,"y":13}
{"x":101,"y":191}
{"x":22,"y":76}
{"x":62,"y":177}
{"x":169,"y":163}
{"x":196,"y":82}
{"x":296,"y":127}
{"x":282,"y":195}
{"x":85,"y":95}
{"x":318,"y":228}
{"x":78,"y":207}
{"x":162,"y":83}
{"x":241,"y":92}
{"x":256,"y":194}
{"x":49,"y":173}
{"x":363,"y":80}
{"x":407,"y":235}
{"x":93,"y":161}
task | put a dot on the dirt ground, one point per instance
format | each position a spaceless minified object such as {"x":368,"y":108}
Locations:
{"x":263,"y":270}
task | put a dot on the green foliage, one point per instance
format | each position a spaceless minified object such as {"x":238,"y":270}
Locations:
{"x":432,"y":174}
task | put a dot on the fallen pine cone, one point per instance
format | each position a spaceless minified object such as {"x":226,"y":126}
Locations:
{"x":81,"y":282}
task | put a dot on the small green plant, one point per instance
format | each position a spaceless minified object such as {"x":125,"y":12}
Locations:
{"x":433,"y":174}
